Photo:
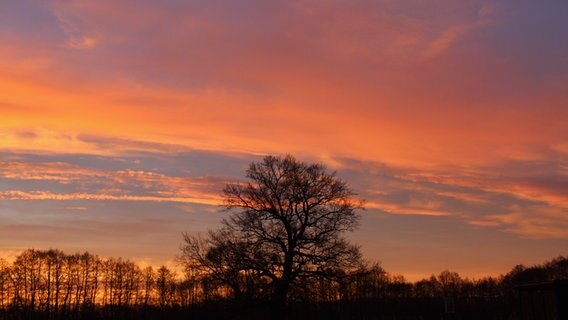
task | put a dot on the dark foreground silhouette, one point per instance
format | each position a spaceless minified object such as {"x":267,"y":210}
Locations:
{"x":53,"y":285}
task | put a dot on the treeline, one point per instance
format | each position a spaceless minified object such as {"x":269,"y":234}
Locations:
{"x":54,"y":285}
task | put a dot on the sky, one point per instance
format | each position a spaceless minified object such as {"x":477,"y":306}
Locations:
{"x":121,"y":121}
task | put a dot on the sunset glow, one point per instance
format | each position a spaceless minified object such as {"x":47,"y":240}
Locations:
{"x":121,"y":121}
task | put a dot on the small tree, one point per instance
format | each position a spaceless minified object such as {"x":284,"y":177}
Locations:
{"x":287,"y":223}
{"x":165,"y":281}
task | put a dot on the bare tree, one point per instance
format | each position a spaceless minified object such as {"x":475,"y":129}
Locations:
{"x":165,"y":284}
{"x":226,"y":260}
{"x":287,"y":223}
{"x":4,"y":283}
{"x":149,"y":284}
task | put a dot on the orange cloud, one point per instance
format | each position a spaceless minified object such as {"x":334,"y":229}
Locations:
{"x":393,"y":208}
{"x":128,"y":185}
{"x":267,"y":97}
{"x":40,"y":195}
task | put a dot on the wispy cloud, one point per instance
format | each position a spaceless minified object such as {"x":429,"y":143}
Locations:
{"x":480,"y":196}
{"x":104,"y":184}
{"x":528,"y":202}
{"x":40,"y":195}
{"x":75,"y":37}
{"x":450,"y":34}
{"x":417,"y":209}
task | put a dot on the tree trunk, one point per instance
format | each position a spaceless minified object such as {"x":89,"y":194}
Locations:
{"x":279,"y":299}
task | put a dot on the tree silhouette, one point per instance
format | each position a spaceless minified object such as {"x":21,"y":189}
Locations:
{"x":49,"y":284}
{"x":286,"y":224}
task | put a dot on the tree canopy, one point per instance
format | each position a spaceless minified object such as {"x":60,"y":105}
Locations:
{"x":287,"y":223}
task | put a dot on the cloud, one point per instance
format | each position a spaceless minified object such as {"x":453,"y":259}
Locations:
{"x":75,"y":38}
{"x":444,"y":108}
{"x":209,"y":76}
{"x":82,"y":43}
{"x":418,"y":209}
{"x":450,"y":35}
{"x":83,"y":183}
{"x":19,"y":195}
{"x":538,"y":222}
{"x":76,"y":209}
{"x":125,"y":145}
{"x":522,"y":197}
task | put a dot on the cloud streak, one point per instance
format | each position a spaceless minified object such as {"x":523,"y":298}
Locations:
{"x":39,"y":195}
